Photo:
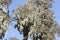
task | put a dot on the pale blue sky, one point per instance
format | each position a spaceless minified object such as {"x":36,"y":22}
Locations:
{"x":14,"y":33}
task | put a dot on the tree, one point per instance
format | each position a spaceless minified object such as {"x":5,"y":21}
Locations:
{"x":58,"y":31}
{"x":21,"y":21}
{"x":4,"y":17}
{"x":36,"y":20}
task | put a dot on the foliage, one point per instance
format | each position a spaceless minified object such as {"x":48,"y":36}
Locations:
{"x":5,"y":1}
{"x":34,"y":20}
{"x":4,"y":18}
{"x":35,"y":16}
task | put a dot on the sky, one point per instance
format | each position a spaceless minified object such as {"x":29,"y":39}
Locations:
{"x":56,"y":9}
{"x":14,"y":33}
